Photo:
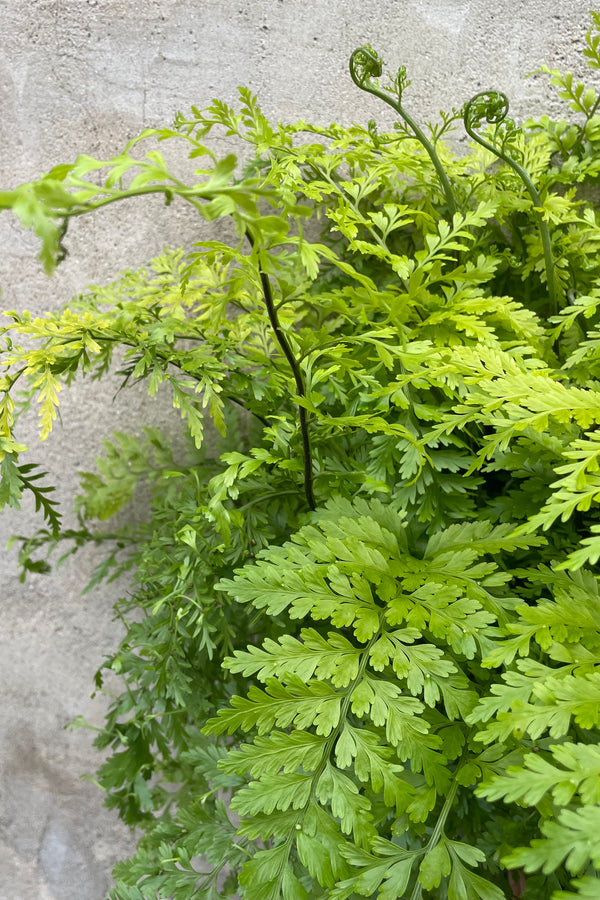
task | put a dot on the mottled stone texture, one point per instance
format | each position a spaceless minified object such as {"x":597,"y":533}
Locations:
{"x":79,"y":76}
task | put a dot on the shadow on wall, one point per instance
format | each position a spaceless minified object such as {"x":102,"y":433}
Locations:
{"x":50,"y":848}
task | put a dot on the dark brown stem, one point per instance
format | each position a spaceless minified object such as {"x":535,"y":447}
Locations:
{"x":300,"y":390}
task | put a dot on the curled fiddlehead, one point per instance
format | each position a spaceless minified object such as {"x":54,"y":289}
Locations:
{"x":366,"y":66}
{"x":491,"y":108}
{"x":489,"y":105}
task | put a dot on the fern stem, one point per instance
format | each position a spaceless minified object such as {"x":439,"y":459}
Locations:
{"x":345,"y":706}
{"x":333,"y":737}
{"x":293,"y":363}
{"x":364,"y":63}
{"x":192,"y":195}
{"x":439,"y":826}
{"x":493,"y":106}
{"x":241,"y":403}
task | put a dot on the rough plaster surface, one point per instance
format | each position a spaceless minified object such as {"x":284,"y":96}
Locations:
{"x":85,"y":76}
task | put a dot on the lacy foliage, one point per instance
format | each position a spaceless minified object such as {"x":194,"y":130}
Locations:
{"x":395,"y":693}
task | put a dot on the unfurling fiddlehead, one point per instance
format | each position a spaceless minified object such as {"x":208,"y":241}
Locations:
{"x":492,"y":107}
{"x":365,"y":65}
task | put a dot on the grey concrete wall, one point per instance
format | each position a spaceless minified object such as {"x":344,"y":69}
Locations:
{"x":85,"y":76}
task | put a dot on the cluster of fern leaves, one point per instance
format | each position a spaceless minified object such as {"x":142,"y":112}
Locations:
{"x":362,"y":649}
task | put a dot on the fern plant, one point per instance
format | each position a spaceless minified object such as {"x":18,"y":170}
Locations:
{"x":361,"y":644}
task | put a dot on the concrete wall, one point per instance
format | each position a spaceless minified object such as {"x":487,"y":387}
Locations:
{"x":85,"y":76}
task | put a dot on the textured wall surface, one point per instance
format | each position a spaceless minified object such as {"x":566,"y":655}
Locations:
{"x":85,"y":76}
